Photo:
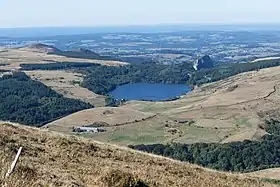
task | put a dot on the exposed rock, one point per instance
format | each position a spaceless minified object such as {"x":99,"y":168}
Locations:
{"x":203,"y":63}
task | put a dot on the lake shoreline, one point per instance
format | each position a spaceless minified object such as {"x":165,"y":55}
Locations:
{"x":150,"y":92}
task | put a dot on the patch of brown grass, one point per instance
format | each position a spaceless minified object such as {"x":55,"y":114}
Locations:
{"x":113,"y":116}
{"x":118,"y":178}
{"x":62,"y":82}
{"x":51,"y":159}
{"x":217,"y":106}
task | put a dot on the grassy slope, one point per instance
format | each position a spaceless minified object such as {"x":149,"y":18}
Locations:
{"x":273,"y":173}
{"x":57,"y":160}
{"x":110,"y":115}
{"x":15,"y":57}
{"x":221,"y":111}
{"x":12,"y":58}
{"x":63,"y":83}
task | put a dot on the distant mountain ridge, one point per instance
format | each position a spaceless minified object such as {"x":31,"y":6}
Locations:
{"x":42,"y":47}
{"x":83,"y":52}
{"x":75,"y":53}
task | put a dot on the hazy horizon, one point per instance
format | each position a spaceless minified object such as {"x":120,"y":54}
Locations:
{"x":94,"y":13}
{"x":165,"y":28}
{"x":195,"y":25}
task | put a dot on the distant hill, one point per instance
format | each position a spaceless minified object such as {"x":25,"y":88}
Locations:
{"x":81,"y":53}
{"x":43,"y":48}
{"x":204,"y":62}
{"x":30,"y":102}
{"x":85,"y":52}
{"x":75,"y":53}
{"x":51,"y":159}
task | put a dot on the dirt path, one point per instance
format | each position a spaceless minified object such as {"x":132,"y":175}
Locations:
{"x":275,"y":87}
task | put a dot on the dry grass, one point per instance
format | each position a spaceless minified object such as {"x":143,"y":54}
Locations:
{"x":231,"y":106}
{"x":225,"y":111}
{"x":60,"y":81}
{"x":111,"y":116}
{"x":15,"y":57}
{"x":50,"y":159}
{"x":117,"y":178}
{"x":64,"y":82}
{"x":273,"y":173}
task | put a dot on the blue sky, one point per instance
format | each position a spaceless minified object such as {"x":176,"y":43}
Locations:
{"x":40,"y":13}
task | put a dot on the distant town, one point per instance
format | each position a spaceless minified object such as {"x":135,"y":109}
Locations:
{"x":166,"y":48}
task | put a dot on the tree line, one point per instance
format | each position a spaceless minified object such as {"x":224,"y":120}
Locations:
{"x":82,"y":53}
{"x":57,"y":66}
{"x":29,"y":102}
{"x":243,"y":156}
{"x":103,"y":79}
{"x":228,"y":70}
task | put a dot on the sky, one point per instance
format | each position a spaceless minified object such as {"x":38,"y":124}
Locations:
{"x":54,"y":13}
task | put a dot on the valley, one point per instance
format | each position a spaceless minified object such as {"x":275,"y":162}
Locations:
{"x":140,"y":93}
{"x":228,"y":110}
{"x":214,"y":112}
{"x":221,"y":106}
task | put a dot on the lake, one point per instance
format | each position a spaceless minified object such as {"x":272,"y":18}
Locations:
{"x":151,"y":92}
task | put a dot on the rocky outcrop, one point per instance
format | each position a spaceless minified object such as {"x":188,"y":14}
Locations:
{"x":203,"y":63}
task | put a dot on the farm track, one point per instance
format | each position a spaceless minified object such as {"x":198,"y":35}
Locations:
{"x":275,"y":88}
{"x":122,"y":124}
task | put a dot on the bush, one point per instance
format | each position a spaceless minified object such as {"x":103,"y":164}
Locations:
{"x":118,"y":178}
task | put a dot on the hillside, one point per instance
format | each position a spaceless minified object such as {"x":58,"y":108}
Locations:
{"x":229,"y":110}
{"x":42,"y":54}
{"x":80,"y":53}
{"x":30,"y":102}
{"x":43,"y":48}
{"x":67,"y":84}
{"x":107,"y":115}
{"x":58,"y":160}
{"x":273,"y":173}
{"x":61,"y":81}
{"x":75,"y":53}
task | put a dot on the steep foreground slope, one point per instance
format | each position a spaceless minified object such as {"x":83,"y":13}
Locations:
{"x":50,"y":159}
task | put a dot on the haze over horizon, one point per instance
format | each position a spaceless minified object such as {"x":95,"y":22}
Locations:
{"x":34,"y":13}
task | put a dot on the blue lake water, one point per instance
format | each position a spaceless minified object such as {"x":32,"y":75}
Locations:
{"x":145,"y":91}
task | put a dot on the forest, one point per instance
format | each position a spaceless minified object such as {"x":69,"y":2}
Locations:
{"x":82,"y":53}
{"x":103,"y":79}
{"x":272,"y":126}
{"x":228,"y":70}
{"x":243,"y":156}
{"x":57,"y":66}
{"x":32,"y":103}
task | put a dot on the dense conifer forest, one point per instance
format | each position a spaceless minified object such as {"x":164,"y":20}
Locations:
{"x":30,"y":102}
{"x":243,"y":156}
